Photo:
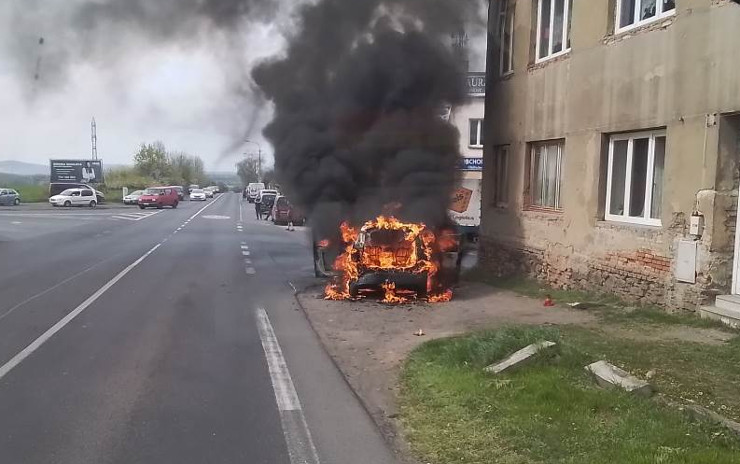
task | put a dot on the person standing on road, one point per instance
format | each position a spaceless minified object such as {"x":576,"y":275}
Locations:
{"x":258,"y":208}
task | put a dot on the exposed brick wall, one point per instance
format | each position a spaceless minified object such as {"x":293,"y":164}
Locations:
{"x":639,"y":276}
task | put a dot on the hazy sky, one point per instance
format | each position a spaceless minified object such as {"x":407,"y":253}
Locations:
{"x":193,"y":95}
{"x":184,"y":96}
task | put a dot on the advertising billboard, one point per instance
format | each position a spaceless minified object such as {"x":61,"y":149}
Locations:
{"x":466,"y":203}
{"x":81,"y":171}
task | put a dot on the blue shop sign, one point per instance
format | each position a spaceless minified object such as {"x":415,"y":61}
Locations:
{"x":471,"y":164}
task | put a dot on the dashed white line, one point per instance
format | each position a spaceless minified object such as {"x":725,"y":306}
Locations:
{"x":298,"y":438}
{"x":251,"y":271}
{"x":246,"y":253}
{"x":245,"y":247}
{"x":36,"y":344}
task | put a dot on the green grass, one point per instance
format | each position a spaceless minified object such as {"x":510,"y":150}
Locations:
{"x":610,"y":308}
{"x":33,"y":193}
{"x":550,"y":411}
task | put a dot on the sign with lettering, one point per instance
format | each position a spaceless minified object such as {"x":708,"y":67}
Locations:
{"x":85,"y":171}
{"x":470,"y":164}
{"x":476,"y":83}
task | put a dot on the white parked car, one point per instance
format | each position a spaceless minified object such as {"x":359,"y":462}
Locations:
{"x":75,"y":197}
{"x":133,"y":197}
{"x":198,"y":195}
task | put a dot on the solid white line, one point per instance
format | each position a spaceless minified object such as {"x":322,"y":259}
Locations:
{"x":285,"y":394}
{"x":297,"y":435}
{"x":36,"y":344}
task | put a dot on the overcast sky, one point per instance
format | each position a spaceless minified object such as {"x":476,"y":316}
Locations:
{"x":184,"y":94}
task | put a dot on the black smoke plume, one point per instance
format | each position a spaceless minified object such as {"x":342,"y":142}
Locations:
{"x":358,"y":97}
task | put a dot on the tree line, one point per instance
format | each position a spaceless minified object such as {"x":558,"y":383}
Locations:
{"x":154,"y":165}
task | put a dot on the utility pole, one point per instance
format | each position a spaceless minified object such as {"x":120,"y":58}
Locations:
{"x":94,"y":139}
{"x":259,"y":157}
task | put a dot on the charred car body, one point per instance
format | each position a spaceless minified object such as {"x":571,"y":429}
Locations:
{"x":386,"y":255}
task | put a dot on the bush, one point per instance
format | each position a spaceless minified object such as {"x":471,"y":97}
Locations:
{"x":33,"y":193}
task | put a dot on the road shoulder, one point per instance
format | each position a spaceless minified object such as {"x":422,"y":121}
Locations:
{"x":369,"y":341}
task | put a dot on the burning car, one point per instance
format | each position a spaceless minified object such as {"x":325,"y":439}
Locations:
{"x":403,"y":261}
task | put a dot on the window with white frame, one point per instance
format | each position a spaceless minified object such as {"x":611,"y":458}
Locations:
{"x":545,"y":174}
{"x":634,"y":191}
{"x":553,"y":28}
{"x":635,"y":13}
{"x":501,"y":176}
{"x":476,"y":133}
{"x":506,"y":37}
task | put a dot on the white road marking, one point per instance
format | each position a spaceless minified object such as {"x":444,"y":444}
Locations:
{"x":203,"y":208}
{"x":135,"y":216}
{"x":247,"y":261}
{"x":36,"y":344}
{"x":295,"y":291}
{"x":15,"y":223}
{"x":245,"y":247}
{"x":246,"y":253}
{"x":297,"y":435}
{"x":251,"y":271}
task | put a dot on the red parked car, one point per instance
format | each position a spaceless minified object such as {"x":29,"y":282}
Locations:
{"x":159,"y":197}
{"x":283,"y":212}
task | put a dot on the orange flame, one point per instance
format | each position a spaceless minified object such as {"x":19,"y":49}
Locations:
{"x":390,"y":294}
{"x":416,"y":250}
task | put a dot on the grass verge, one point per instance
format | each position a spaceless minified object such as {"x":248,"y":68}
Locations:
{"x":551,"y":412}
{"x":608,"y":307}
{"x":33,"y":193}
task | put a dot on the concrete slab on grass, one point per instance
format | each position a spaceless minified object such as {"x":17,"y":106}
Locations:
{"x":608,"y":375}
{"x":520,"y":357}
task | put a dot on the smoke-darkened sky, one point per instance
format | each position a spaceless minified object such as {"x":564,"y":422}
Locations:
{"x":171,"y":70}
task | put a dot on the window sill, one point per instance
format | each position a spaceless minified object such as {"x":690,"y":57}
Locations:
{"x":655,"y":24}
{"x":557,"y":58}
{"x":543,"y":209}
{"x":506,"y":76}
{"x":633,"y":221}
{"x":552,"y":57}
{"x":645,"y":22}
{"x":477,"y":147}
{"x":611,"y":224}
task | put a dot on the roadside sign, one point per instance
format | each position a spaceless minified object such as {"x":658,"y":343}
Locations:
{"x":470,"y":164}
{"x":465,"y":204}
{"x":476,"y":83}
{"x":82,"y":171}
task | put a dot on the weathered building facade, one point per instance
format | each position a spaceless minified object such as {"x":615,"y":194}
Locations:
{"x":612,"y":126}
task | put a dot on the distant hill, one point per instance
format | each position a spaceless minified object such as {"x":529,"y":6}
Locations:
{"x":20,"y":168}
{"x":14,"y":180}
{"x":227,"y":177}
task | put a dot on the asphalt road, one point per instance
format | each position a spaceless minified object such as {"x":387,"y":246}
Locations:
{"x":173,"y":338}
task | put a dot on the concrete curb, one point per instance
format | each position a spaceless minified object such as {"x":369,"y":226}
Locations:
{"x":387,"y":428}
